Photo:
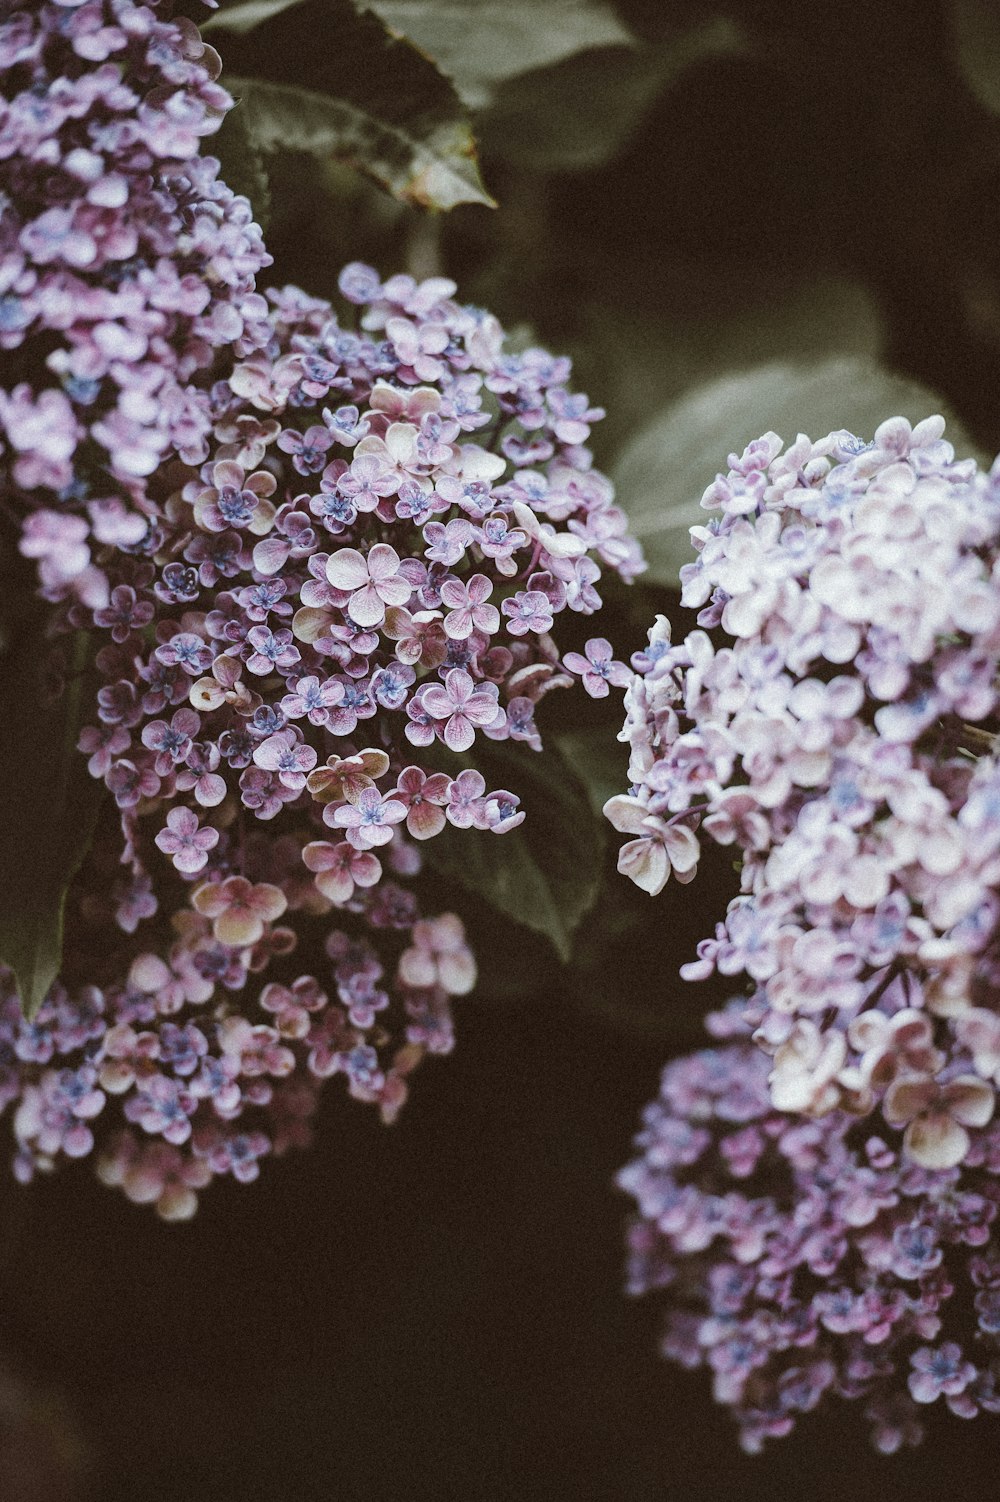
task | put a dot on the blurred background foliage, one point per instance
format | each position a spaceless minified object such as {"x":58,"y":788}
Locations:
{"x":735,"y":215}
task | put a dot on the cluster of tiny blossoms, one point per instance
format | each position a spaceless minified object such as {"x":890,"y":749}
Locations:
{"x":125,"y":265}
{"x":803,"y":1260}
{"x":347,"y":581}
{"x":833,"y":721}
{"x":178,"y":1063}
{"x":309,"y":614}
{"x":292,"y":579}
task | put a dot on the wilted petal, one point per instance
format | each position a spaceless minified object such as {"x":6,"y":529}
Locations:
{"x":908,"y":1097}
{"x":969,"y":1100}
{"x":645,"y":862}
{"x":936,"y":1141}
{"x":424,"y":820}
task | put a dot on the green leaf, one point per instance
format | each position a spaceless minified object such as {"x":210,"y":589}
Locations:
{"x":977,"y":45}
{"x":242,"y":163}
{"x":48,"y":823}
{"x":579,"y":112}
{"x":708,"y":323}
{"x":321,"y":79}
{"x":663,"y":472}
{"x":545,"y":874}
{"x":242,"y":18}
{"x":479,"y":44}
{"x":436,"y":172}
{"x":600,"y":761}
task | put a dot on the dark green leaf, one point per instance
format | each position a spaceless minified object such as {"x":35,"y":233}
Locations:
{"x":436,"y":171}
{"x":319,"y":78}
{"x":600,"y":761}
{"x":49,"y":816}
{"x":242,"y":161}
{"x":579,"y":112}
{"x":663,"y":472}
{"x":709,"y":323}
{"x":479,"y":44}
{"x":546,"y":873}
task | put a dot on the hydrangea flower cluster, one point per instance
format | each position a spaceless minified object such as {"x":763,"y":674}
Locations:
{"x":125,"y":265}
{"x":305,"y":555}
{"x":805,"y":1260}
{"x":833,"y":720}
{"x":195,"y":1061}
{"x":347,"y":582}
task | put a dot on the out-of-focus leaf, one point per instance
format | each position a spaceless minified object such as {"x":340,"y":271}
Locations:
{"x":242,"y":161}
{"x":663,"y":472}
{"x":577,"y":113}
{"x":710,"y":322}
{"x":48,"y":820}
{"x":479,"y":43}
{"x":977,"y":44}
{"x":599,"y":760}
{"x":322,"y":79}
{"x":545,"y":874}
{"x":436,"y":172}
{"x":247,"y":16}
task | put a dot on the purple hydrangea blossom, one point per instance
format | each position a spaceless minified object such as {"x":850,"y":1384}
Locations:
{"x":295,"y":583}
{"x":838,"y":730}
{"x":96,"y":182}
{"x":167,"y":1092}
{"x":597,"y":668}
{"x":773,"y":1243}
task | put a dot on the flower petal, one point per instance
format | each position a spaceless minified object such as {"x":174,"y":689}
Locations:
{"x":347,"y":569}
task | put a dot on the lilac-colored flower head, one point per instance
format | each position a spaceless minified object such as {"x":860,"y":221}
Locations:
{"x":321,"y":602}
{"x":360,"y":571}
{"x":800,"y":1262}
{"x":834,"y":720}
{"x":189,"y":1060}
{"x":124,"y":265}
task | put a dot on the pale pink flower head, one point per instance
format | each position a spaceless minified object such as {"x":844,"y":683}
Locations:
{"x":439,"y":956}
{"x":347,"y":776}
{"x":373,"y":581}
{"x":463,"y":707}
{"x":339,"y":868}
{"x":424,"y":798}
{"x":937,"y":1114}
{"x":891,"y":1046}
{"x":598,"y":668}
{"x":186,"y":841}
{"x":369,"y":818}
{"x":420,"y":637}
{"x":659,"y":849}
{"x":240,"y":910}
{"x":235,"y":499}
{"x":467,"y":608}
{"x":805,"y":1070}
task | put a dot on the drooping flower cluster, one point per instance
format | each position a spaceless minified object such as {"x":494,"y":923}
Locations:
{"x":180,"y":1064}
{"x":805,"y":1260}
{"x":125,"y":264}
{"x":841,"y":739}
{"x":347,"y":581}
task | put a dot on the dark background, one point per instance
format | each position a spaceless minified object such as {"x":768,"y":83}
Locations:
{"x":427,"y":1312}
{"x":433,"y":1311}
